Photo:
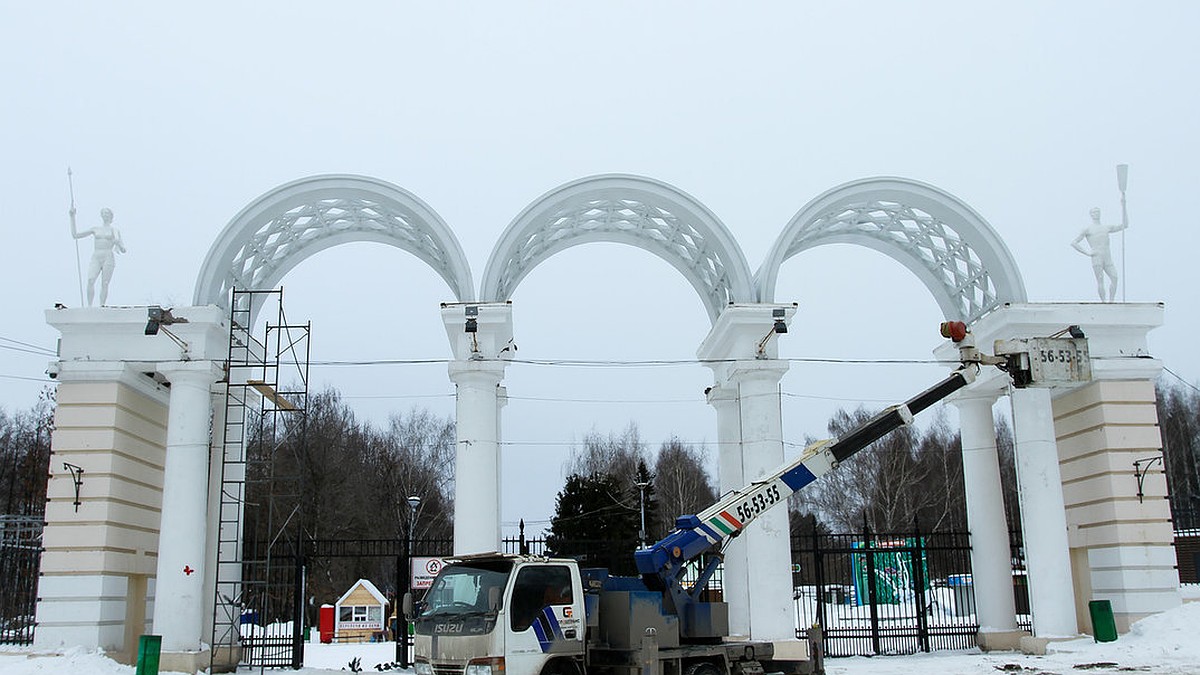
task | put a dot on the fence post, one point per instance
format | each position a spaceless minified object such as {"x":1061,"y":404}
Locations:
{"x":816,"y":642}
{"x":918,"y":577}
{"x":872,"y":592}
{"x":298,"y":619}
{"x":819,"y":562}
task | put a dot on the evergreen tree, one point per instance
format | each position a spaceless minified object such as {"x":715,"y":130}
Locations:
{"x":594,"y":522}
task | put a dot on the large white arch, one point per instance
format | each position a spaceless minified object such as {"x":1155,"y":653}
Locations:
{"x":634,"y":210}
{"x":950,"y":247}
{"x":277,"y":231}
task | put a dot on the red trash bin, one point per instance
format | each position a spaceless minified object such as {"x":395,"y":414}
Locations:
{"x":325,"y":625}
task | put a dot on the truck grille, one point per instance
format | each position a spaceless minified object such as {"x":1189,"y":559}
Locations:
{"x":447,"y":670}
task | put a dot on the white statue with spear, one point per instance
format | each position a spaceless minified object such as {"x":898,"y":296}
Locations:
{"x":1098,"y":247}
{"x":107,"y":243}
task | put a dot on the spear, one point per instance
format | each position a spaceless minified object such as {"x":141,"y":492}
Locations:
{"x":1122,"y":182}
{"x":78,"y":267}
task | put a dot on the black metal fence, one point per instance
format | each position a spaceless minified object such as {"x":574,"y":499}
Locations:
{"x":890,"y":593}
{"x":1187,"y":543}
{"x":20,"y":558}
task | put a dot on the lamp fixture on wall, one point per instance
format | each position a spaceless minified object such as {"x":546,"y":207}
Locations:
{"x":77,"y":478}
{"x":1140,"y":472}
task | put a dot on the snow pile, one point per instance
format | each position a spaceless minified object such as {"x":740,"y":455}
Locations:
{"x":73,"y":661}
{"x":1162,"y":639}
{"x":1164,"y":644}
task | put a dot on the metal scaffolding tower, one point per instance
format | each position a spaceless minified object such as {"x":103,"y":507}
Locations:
{"x":258,"y":608}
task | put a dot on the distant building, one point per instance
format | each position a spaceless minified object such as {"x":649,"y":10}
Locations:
{"x":360,"y":613}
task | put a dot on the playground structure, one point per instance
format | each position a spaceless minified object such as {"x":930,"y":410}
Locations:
{"x":137,"y":411}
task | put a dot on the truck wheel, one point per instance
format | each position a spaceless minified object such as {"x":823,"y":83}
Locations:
{"x":702,"y":668}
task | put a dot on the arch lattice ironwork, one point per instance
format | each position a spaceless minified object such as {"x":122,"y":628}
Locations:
{"x":949,"y":246}
{"x":634,"y":210}
{"x":290,"y":223}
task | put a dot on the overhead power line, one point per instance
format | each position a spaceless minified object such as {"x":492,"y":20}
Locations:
{"x":35,"y":352}
{"x":27,"y":344}
{"x":1180,"y":378}
{"x":617,"y":363}
{"x":22,"y":377}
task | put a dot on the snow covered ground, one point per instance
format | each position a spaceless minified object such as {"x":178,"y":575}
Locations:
{"x":1166,"y":644}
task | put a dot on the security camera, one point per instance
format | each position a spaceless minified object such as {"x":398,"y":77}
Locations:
{"x":52,"y":370}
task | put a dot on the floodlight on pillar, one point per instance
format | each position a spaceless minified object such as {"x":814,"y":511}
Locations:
{"x":1072,"y":330}
{"x":779,"y":326}
{"x":157,"y":320}
{"x":472,"y":327}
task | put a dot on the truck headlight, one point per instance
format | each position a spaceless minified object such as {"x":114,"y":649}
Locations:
{"x":422,"y":668}
{"x":489,"y":666}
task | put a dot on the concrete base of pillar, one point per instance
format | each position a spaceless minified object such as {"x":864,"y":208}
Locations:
{"x":183,"y":662}
{"x":1037,"y":646}
{"x":1000,"y":640}
{"x":226,"y":660}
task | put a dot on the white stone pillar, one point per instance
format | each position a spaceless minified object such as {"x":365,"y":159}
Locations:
{"x":481,"y":339}
{"x":735,"y":577}
{"x":1043,"y":515}
{"x":477,"y":460}
{"x":213,"y":517}
{"x":991,"y":569}
{"x":179,"y":587}
{"x":742,"y":347}
{"x":767,"y":541}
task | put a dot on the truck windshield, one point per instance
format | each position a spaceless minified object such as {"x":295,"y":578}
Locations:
{"x":465,"y":588}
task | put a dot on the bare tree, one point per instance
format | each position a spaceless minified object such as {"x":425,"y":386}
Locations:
{"x":906,"y":479}
{"x":615,"y":454}
{"x":25,"y":457}
{"x":681,"y":483}
{"x":1179,"y":423}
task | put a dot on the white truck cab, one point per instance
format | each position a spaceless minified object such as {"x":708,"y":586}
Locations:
{"x":494,"y":614}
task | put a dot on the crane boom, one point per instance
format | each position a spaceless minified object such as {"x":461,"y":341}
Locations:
{"x":709,"y":530}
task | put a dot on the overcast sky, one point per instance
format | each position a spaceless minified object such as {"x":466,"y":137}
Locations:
{"x":177,"y":118}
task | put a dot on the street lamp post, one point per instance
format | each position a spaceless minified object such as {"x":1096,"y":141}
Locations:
{"x":402,"y":640}
{"x":641,"y":485}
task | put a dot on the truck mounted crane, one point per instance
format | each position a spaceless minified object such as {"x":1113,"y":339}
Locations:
{"x":492,"y":613}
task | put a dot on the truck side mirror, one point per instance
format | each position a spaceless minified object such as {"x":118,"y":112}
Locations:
{"x":408,"y":606}
{"x":493,"y":599}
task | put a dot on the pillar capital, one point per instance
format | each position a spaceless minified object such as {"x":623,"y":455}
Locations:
{"x":746,"y":332}
{"x":119,"y":334}
{"x":477,"y":373}
{"x":479,"y":330}
{"x":194,"y":373}
{"x":971,"y":396}
{"x":764,"y":370}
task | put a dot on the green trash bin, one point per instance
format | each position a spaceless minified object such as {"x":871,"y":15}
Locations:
{"x":1104,"y":627}
{"x":149,"y":648}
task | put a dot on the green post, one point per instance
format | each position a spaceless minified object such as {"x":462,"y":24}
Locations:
{"x":149,"y":647}
{"x":1104,"y":627}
